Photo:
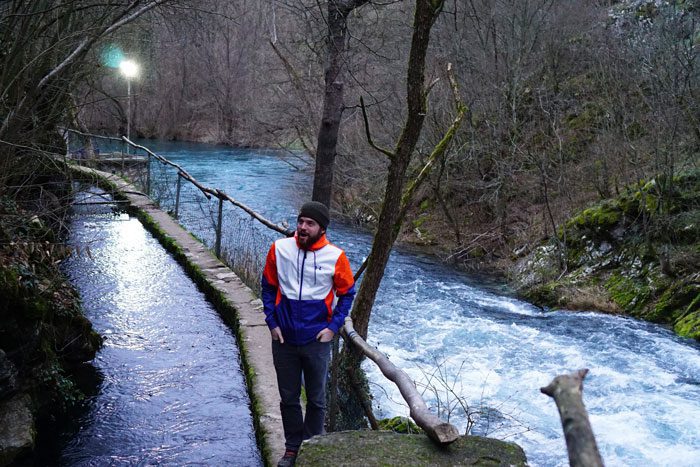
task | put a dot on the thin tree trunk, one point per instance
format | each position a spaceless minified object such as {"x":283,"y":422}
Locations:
{"x":398,"y":196}
{"x":389,"y":218}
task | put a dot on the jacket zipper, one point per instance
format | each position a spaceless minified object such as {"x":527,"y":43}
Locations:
{"x":301,"y":282}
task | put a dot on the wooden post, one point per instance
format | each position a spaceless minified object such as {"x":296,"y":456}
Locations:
{"x":567,"y":392}
{"x":122,"y":156}
{"x":333,"y":386}
{"x":217,"y":248}
{"x":177,"y":195}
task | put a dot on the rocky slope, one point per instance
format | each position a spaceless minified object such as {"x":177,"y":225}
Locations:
{"x":637,"y":254}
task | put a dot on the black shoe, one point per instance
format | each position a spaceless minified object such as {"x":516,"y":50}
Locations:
{"x":288,"y":460}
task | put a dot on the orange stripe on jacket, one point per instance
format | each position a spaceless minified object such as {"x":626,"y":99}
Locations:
{"x":270,"y":272}
{"x":329,"y":304}
{"x":343,"y":278}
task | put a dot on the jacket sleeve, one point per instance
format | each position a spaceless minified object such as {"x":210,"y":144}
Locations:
{"x":270,"y":285}
{"x":344,"y":285}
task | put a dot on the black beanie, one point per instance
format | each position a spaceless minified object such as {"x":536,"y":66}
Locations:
{"x":316,"y":211}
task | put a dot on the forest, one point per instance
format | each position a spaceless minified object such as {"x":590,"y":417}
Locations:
{"x":567,"y":102}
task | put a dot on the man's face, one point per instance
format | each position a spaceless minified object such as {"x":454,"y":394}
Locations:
{"x":308,"y":231}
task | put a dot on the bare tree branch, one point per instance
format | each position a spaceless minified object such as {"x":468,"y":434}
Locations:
{"x":386,"y":152}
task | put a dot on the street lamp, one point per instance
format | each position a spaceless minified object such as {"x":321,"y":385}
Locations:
{"x":130,"y":70}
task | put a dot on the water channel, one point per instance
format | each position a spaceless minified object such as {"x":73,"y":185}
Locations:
{"x":171,"y":389}
{"x":457,"y":335}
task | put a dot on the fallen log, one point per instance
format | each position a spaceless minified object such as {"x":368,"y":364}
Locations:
{"x":567,"y":392}
{"x":437,"y":430}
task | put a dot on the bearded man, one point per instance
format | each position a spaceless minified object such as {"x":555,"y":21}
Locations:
{"x":307,"y":291}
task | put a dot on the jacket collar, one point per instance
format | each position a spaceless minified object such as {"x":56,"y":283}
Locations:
{"x":320,"y":243}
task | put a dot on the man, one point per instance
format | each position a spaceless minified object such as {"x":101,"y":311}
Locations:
{"x":307,"y":291}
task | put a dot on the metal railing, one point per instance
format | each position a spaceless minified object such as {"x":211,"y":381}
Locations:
{"x":208,"y":192}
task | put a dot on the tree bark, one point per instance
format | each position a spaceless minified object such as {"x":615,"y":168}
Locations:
{"x":398,"y":197}
{"x":389,"y":218}
{"x":567,"y":392}
{"x":333,"y":104}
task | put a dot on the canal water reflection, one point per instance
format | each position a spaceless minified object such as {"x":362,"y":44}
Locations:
{"x":172,"y":390}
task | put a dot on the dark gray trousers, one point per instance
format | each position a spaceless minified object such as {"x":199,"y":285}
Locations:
{"x":291,"y":362}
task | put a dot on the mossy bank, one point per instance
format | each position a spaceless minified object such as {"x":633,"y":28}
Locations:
{"x":44,"y":337}
{"x":637,"y":254}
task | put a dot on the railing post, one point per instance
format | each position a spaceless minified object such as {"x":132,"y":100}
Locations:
{"x":217,"y":248}
{"x":177,"y":195}
{"x":123,"y":162}
{"x":148,"y":174}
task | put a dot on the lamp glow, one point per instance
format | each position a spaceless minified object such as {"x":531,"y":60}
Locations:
{"x":129,"y":68}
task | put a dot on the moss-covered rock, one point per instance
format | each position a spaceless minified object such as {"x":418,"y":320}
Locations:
{"x":597,"y":219}
{"x":384,"y":448}
{"x":638,"y":253}
{"x":689,"y":325}
{"x":626,"y":292}
{"x":399,"y":425}
{"x":676,"y":302}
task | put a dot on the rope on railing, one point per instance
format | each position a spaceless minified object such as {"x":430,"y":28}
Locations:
{"x":208,"y":192}
{"x":89,"y":135}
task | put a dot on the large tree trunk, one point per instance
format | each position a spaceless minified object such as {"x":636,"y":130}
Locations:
{"x":338,"y":11}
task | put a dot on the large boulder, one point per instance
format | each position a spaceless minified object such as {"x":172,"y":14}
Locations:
{"x":379,"y":448}
{"x":16,"y":428}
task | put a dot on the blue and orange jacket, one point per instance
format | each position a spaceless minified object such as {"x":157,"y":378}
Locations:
{"x":305,"y":291}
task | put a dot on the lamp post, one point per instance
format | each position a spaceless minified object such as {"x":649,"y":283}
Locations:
{"x":130,"y":70}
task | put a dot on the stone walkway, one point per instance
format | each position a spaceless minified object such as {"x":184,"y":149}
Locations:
{"x":233,"y":299}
